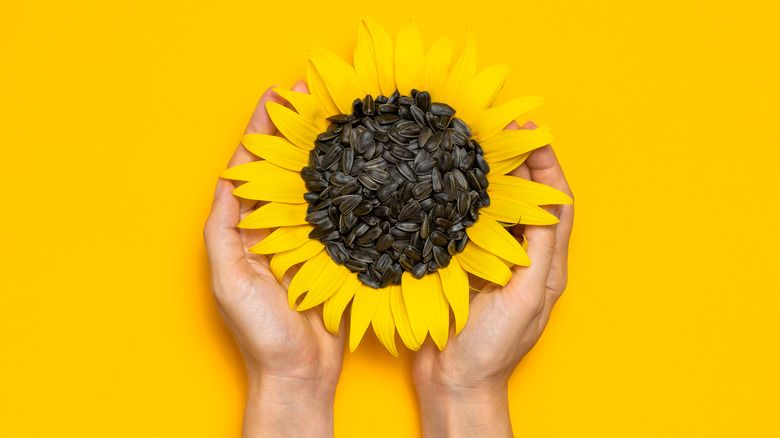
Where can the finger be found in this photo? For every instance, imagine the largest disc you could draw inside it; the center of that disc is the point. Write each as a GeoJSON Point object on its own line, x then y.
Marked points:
{"type": "Point", "coordinates": [259, 123]}
{"type": "Point", "coordinates": [223, 242]}
{"type": "Point", "coordinates": [300, 87]}
{"type": "Point", "coordinates": [522, 171]}
{"type": "Point", "coordinates": [545, 169]}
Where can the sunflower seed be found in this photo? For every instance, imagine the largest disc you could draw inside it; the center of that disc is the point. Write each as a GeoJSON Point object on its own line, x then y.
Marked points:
{"type": "Point", "coordinates": [368, 182]}
{"type": "Point", "coordinates": [356, 266]}
{"type": "Point", "coordinates": [405, 262]}
{"type": "Point", "coordinates": [441, 256]}
{"type": "Point", "coordinates": [446, 140]}
{"type": "Point", "coordinates": [368, 106]}
{"type": "Point", "coordinates": [322, 229]}
{"type": "Point", "coordinates": [413, 253]}
{"type": "Point", "coordinates": [459, 125]}
{"type": "Point", "coordinates": [327, 136]}
{"type": "Point", "coordinates": [339, 118]}
{"type": "Point", "coordinates": [347, 158]}
{"type": "Point", "coordinates": [338, 179]}
{"type": "Point", "coordinates": [317, 217]}
{"type": "Point", "coordinates": [423, 100]}
{"type": "Point", "coordinates": [438, 238]}
{"type": "Point", "coordinates": [418, 115]}
{"type": "Point", "coordinates": [370, 235]}
{"type": "Point", "coordinates": [405, 170]}
{"type": "Point", "coordinates": [387, 109]}
{"type": "Point", "coordinates": [422, 189]}
{"type": "Point", "coordinates": [384, 242]}
{"type": "Point", "coordinates": [419, 270]}
{"type": "Point", "coordinates": [316, 186]}
{"type": "Point", "coordinates": [337, 252]}
{"type": "Point", "coordinates": [309, 174]}
{"type": "Point", "coordinates": [409, 227]}
{"type": "Point", "coordinates": [433, 142]}
{"type": "Point", "coordinates": [368, 280]}
{"type": "Point", "coordinates": [409, 210]}
{"type": "Point", "coordinates": [406, 100]}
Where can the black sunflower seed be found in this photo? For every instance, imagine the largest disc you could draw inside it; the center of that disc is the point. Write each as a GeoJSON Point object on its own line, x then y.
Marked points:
{"type": "Point", "coordinates": [441, 256]}
{"type": "Point", "coordinates": [356, 266]}
{"type": "Point", "coordinates": [442, 109]}
{"type": "Point", "coordinates": [423, 100]}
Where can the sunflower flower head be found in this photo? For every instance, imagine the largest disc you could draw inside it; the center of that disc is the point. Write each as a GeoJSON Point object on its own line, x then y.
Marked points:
{"type": "Point", "coordinates": [390, 185]}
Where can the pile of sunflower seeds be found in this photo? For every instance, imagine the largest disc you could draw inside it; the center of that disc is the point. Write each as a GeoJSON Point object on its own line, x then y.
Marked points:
{"type": "Point", "coordinates": [393, 186]}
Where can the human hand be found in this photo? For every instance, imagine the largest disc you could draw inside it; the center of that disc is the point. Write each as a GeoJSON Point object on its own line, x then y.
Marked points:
{"type": "Point", "coordinates": [293, 363]}
{"type": "Point", "coordinates": [463, 389]}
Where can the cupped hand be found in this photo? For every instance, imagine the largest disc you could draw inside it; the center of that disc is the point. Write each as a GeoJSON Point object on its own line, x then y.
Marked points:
{"type": "Point", "coordinates": [292, 361]}
{"type": "Point", "coordinates": [504, 324]}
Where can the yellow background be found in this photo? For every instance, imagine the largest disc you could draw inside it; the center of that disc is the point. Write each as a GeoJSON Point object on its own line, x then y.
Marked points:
{"type": "Point", "coordinates": [117, 117]}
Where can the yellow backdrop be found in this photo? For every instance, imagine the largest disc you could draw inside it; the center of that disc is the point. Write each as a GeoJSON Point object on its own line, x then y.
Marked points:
{"type": "Point", "coordinates": [117, 117]}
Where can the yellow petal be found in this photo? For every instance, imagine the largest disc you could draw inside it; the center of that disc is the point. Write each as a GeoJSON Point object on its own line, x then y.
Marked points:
{"type": "Point", "coordinates": [505, 166]}
{"type": "Point", "coordinates": [409, 59]}
{"type": "Point", "coordinates": [461, 73]}
{"type": "Point", "coordinates": [437, 65]}
{"type": "Point", "coordinates": [284, 260]}
{"type": "Point", "coordinates": [277, 150]}
{"type": "Point", "coordinates": [483, 264]}
{"type": "Point", "coordinates": [455, 283]}
{"type": "Point", "coordinates": [530, 191]}
{"type": "Point", "coordinates": [481, 91]}
{"type": "Point", "coordinates": [525, 243]}
{"type": "Point", "coordinates": [283, 239]}
{"type": "Point", "coordinates": [292, 125]}
{"type": "Point", "coordinates": [513, 142]}
{"type": "Point", "coordinates": [440, 313]}
{"type": "Point", "coordinates": [383, 52]}
{"type": "Point", "coordinates": [339, 78]}
{"type": "Point", "coordinates": [365, 62]}
{"type": "Point", "coordinates": [493, 120]}
{"type": "Point", "coordinates": [508, 207]}
{"type": "Point", "coordinates": [363, 309]}
{"type": "Point", "coordinates": [331, 279]}
{"type": "Point", "coordinates": [318, 89]}
{"type": "Point", "coordinates": [335, 305]}
{"type": "Point", "coordinates": [276, 214]}
{"type": "Point", "coordinates": [418, 302]}
{"type": "Point", "coordinates": [382, 322]}
{"type": "Point", "coordinates": [307, 106]}
{"type": "Point", "coordinates": [283, 186]}
{"type": "Point", "coordinates": [254, 170]}
{"type": "Point", "coordinates": [401, 318]}
{"type": "Point", "coordinates": [307, 276]}
{"type": "Point", "coordinates": [487, 233]}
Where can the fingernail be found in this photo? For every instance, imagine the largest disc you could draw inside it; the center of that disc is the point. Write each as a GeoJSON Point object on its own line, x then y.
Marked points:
{"type": "Point", "coordinates": [218, 189]}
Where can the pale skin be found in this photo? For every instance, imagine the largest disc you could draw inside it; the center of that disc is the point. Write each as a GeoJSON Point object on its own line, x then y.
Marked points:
{"type": "Point", "coordinates": [293, 363]}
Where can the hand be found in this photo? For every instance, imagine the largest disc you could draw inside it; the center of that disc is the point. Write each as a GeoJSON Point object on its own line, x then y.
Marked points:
{"type": "Point", "coordinates": [463, 389]}
{"type": "Point", "coordinates": [293, 363]}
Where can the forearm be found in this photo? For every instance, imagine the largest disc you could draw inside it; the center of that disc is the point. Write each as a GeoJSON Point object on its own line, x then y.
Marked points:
{"type": "Point", "coordinates": [464, 412]}
{"type": "Point", "coordinates": [288, 408]}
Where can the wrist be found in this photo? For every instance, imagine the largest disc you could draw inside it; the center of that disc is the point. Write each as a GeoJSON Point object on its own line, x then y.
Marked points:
{"type": "Point", "coordinates": [455, 411]}
{"type": "Point", "coordinates": [277, 406]}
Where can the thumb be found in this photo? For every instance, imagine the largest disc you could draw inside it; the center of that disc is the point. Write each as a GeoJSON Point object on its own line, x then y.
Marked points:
{"type": "Point", "coordinates": [223, 242]}
{"type": "Point", "coordinates": [541, 245]}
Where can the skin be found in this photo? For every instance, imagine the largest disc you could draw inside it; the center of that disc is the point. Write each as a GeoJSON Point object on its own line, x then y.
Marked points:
{"type": "Point", "coordinates": [293, 363]}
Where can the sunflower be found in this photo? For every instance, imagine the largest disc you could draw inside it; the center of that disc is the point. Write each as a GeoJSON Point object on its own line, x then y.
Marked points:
{"type": "Point", "coordinates": [386, 193]}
